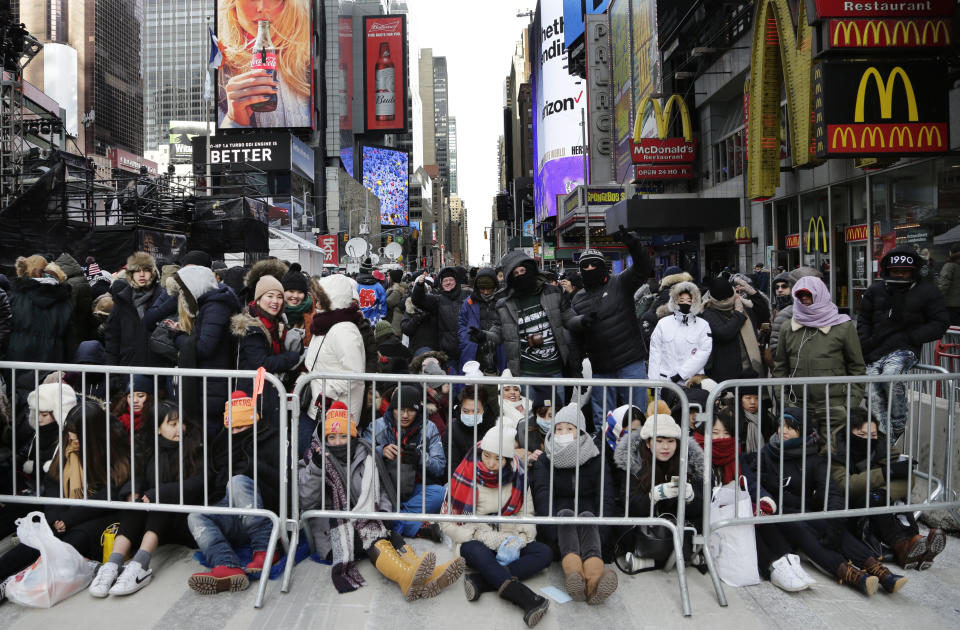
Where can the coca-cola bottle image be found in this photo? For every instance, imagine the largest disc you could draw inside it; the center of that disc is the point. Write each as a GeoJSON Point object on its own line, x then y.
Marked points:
{"type": "Point", "coordinates": [264, 58]}
{"type": "Point", "coordinates": [383, 80]}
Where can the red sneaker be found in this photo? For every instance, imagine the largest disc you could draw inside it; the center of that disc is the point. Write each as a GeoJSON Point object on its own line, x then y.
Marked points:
{"type": "Point", "coordinates": [255, 567]}
{"type": "Point", "coordinates": [219, 580]}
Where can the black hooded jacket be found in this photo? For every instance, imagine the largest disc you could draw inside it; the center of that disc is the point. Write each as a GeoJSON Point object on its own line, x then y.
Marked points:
{"type": "Point", "coordinates": [42, 322]}
{"type": "Point", "coordinates": [445, 306]}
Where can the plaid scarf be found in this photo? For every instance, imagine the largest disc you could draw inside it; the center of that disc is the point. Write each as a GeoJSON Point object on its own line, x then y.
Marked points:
{"type": "Point", "coordinates": [460, 496]}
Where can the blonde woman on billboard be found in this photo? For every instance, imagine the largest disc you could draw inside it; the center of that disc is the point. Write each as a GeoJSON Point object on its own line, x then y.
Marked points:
{"type": "Point", "coordinates": [242, 89]}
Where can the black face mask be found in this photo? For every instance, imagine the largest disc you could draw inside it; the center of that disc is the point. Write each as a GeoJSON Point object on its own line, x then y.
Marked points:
{"type": "Point", "coordinates": [49, 433]}
{"type": "Point", "coordinates": [783, 301]}
{"type": "Point", "coordinates": [593, 277]}
{"type": "Point", "coordinates": [525, 283]}
{"type": "Point", "coordinates": [684, 308]}
{"type": "Point", "coordinates": [858, 447]}
{"type": "Point", "coordinates": [340, 452]}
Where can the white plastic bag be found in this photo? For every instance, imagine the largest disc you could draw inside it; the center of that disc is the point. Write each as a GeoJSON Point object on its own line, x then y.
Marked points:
{"type": "Point", "coordinates": [58, 573]}
{"type": "Point", "coordinates": [734, 547]}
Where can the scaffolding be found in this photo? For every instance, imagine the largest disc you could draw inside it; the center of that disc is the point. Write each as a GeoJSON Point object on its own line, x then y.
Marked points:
{"type": "Point", "coordinates": [17, 48]}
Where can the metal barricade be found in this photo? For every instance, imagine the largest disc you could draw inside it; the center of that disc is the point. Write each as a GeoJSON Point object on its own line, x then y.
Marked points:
{"type": "Point", "coordinates": [379, 383]}
{"type": "Point", "coordinates": [88, 381]}
{"type": "Point", "coordinates": [929, 428]}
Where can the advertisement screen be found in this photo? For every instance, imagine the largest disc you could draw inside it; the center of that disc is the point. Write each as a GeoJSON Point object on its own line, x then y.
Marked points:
{"type": "Point", "coordinates": [385, 173]}
{"type": "Point", "coordinates": [560, 98]}
{"type": "Point", "coordinates": [345, 88]}
{"type": "Point", "coordinates": [266, 80]}
{"type": "Point", "coordinates": [384, 72]}
{"type": "Point", "coordinates": [182, 133]}
{"type": "Point", "coordinates": [646, 59]}
{"type": "Point", "coordinates": [622, 86]}
{"type": "Point", "coordinates": [573, 12]}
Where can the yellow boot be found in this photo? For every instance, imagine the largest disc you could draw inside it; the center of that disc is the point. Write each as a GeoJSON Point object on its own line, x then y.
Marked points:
{"type": "Point", "coordinates": [443, 575]}
{"type": "Point", "coordinates": [409, 577]}
{"type": "Point", "coordinates": [574, 581]}
{"type": "Point", "coordinates": [600, 583]}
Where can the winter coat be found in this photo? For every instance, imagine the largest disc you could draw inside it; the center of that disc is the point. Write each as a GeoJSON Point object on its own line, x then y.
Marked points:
{"type": "Point", "coordinates": [419, 326]}
{"type": "Point", "coordinates": [819, 485]}
{"type": "Point", "coordinates": [827, 351]}
{"type": "Point", "coordinates": [6, 323]}
{"type": "Point", "coordinates": [445, 307]}
{"type": "Point", "coordinates": [949, 282]}
{"type": "Point", "coordinates": [42, 321]}
{"type": "Point", "coordinates": [126, 335]}
{"type": "Point", "coordinates": [783, 316]}
{"type": "Point", "coordinates": [373, 298]}
{"type": "Point", "coordinates": [477, 313]}
{"type": "Point", "coordinates": [384, 433]}
{"type": "Point", "coordinates": [657, 309]}
{"type": "Point", "coordinates": [859, 472]}
{"type": "Point", "coordinates": [628, 449]}
{"type": "Point", "coordinates": [506, 328]}
{"type": "Point", "coordinates": [340, 350]}
{"type": "Point", "coordinates": [614, 340]}
{"type": "Point", "coordinates": [680, 344]}
{"type": "Point", "coordinates": [461, 437]}
{"type": "Point", "coordinates": [165, 467]}
{"type": "Point", "coordinates": [79, 296]}
{"type": "Point", "coordinates": [487, 502]}
{"type": "Point", "coordinates": [726, 356]}
{"type": "Point", "coordinates": [588, 497]}
{"type": "Point", "coordinates": [924, 318]}
{"type": "Point", "coordinates": [396, 296]}
{"type": "Point", "coordinates": [255, 350]}
{"type": "Point", "coordinates": [267, 462]}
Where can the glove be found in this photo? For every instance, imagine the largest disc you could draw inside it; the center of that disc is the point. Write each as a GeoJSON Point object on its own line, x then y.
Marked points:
{"type": "Point", "coordinates": [688, 496]}
{"type": "Point", "coordinates": [898, 469]}
{"type": "Point", "coordinates": [588, 320]}
{"type": "Point", "coordinates": [766, 507]}
{"type": "Point", "coordinates": [318, 458]}
{"type": "Point", "coordinates": [293, 342]}
{"type": "Point", "coordinates": [665, 491]}
{"type": "Point", "coordinates": [476, 335]}
{"type": "Point", "coordinates": [628, 238]}
{"type": "Point", "coordinates": [676, 378]}
{"type": "Point", "coordinates": [509, 551]}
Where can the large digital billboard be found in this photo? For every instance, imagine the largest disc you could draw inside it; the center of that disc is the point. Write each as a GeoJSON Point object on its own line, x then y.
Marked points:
{"type": "Point", "coordinates": [384, 73]}
{"type": "Point", "coordinates": [560, 100]}
{"type": "Point", "coordinates": [266, 80]}
{"type": "Point", "coordinates": [181, 135]}
{"type": "Point", "coordinates": [646, 59]}
{"type": "Point", "coordinates": [620, 49]}
{"type": "Point", "coordinates": [386, 173]}
{"type": "Point", "coordinates": [345, 89]}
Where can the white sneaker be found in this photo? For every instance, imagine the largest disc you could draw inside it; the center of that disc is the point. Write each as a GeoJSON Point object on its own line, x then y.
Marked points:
{"type": "Point", "coordinates": [636, 563]}
{"type": "Point", "coordinates": [104, 579]}
{"type": "Point", "coordinates": [798, 569]}
{"type": "Point", "coordinates": [133, 578]}
{"type": "Point", "coordinates": [784, 577]}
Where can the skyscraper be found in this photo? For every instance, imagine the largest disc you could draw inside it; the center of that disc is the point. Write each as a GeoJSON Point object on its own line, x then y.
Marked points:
{"type": "Point", "coordinates": [452, 144]}
{"type": "Point", "coordinates": [440, 120]}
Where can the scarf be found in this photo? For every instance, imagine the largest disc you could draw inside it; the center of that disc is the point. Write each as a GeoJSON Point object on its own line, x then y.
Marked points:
{"type": "Point", "coordinates": [295, 313]}
{"type": "Point", "coordinates": [722, 305]}
{"type": "Point", "coordinates": [750, 355]}
{"type": "Point", "coordinates": [325, 320]}
{"type": "Point", "coordinates": [72, 472]}
{"type": "Point", "coordinates": [753, 441]}
{"type": "Point", "coordinates": [141, 299]}
{"type": "Point", "coordinates": [724, 456]}
{"type": "Point", "coordinates": [460, 495]}
{"type": "Point", "coordinates": [345, 576]}
{"type": "Point", "coordinates": [822, 312]}
{"type": "Point", "coordinates": [137, 421]}
{"type": "Point", "coordinates": [574, 454]}
{"type": "Point", "coordinates": [275, 330]}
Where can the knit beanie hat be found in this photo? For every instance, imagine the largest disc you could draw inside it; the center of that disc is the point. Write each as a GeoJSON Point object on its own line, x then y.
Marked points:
{"type": "Point", "coordinates": [658, 406]}
{"type": "Point", "coordinates": [241, 407]}
{"type": "Point", "coordinates": [294, 279]}
{"type": "Point", "coordinates": [93, 269]}
{"type": "Point", "coordinates": [197, 257]}
{"type": "Point", "coordinates": [383, 330]}
{"type": "Point", "coordinates": [338, 421]}
{"type": "Point", "coordinates": [665, 425]}
{"type": "Point", "coordinates": [396, 275]}
{"type": "Point", "coordinates": [407, 396]}
{"type": "Point", "coordinates": [264, 284]}
{"type": "Point", "coordinates": [720, 289]}
{"type": "Point", "coordinates": [492, 442]}
{"type": "Point", "coordinates": [56, 398]}
{"type": "Point", "coordinates": [571, 414]}
{"type": "Point", "coordinates": [141, 383]}
{"type": "Point", "coordinates": [366, 266]}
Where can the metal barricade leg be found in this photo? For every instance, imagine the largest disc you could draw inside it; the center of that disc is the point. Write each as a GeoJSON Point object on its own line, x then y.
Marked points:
{"type": "Point", "coordinates": [268, 563]}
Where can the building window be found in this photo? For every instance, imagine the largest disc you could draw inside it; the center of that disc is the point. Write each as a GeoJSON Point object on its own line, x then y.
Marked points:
{"type": "Point", "coordinates": [728, 157]}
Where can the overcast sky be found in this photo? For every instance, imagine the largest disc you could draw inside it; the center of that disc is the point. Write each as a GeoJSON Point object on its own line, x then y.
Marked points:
{"type": "Point", "coordinates": [478, 40]}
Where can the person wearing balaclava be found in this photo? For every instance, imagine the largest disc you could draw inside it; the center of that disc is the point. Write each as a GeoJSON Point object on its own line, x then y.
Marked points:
{"type": "Point", "coordinates": [479, 311]}
{"type": "Point", "coordinates": [899, 313]}
{"type": "Point", "coordinates": [444, 305]}
{"type": "Point", "coordinates": [607, 324]}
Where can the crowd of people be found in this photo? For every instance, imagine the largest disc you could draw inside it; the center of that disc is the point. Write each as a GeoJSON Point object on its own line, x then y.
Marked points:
{"type": "Point", "coordinates": [368, 446]}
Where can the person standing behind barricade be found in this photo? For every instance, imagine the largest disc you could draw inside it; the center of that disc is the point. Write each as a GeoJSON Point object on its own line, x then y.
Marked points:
{"type": "Point", "coordinates": [735, 346]}
{"type": "Point", "coordinates": [571, 469]}
{"type": "Point", "coordinates": [42, 315]}
{"type": "Point", "coordinates": [80, 295]}
{"type": "Point", "coordinates": [898, 314]}
{"type": "Point", "coordinates": [949, 284]}
{"type": "Point", "coordinates": [204, 341]}
{"type": "Point", "coordinates": [336, 458]}
{"type": "Point", "coordinates": [139, 304]}
{"type": "Point", "coordinates": [658, 309]}
{"type": "Point", "coordinates": [783, 285]}
{"type": "Point", "coordinates": [607, 324]}
{"type": "Point", "coordinates": [898, 531]}
{"type": "Point", "coordinates": [418, 446]}
{"type": "Point", "coordinates": [502, 555]}
{"type": "Point", "coordinates": [298, 303]}
{"type": "Point", "coordinates": [479, 311]}
{"type": "Point", "coordinates": [419, 325]}
{"type": "Point", "coordinates": [681, 343]}
{"type": "Point", "coordinates": [445, 306]}
{"type": "Point", "coordinates": [818, 341]}
{"type": "Point", "coordinates": [396, 295]}
{"type": "Point", "coordinates": [371, 294]}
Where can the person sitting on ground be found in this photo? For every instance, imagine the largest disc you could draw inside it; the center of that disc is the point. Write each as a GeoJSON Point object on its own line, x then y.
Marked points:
{"type": "Point", "coordinates": [472, 418]}
{"type": "Point", "coordinates": [505, 554]}
{"type": "Point", "coordinates": [570, 469]}
{"type": "Point", "coordinates": [532, 431]}
{"type": "Point", "coordinates": [513, 404]}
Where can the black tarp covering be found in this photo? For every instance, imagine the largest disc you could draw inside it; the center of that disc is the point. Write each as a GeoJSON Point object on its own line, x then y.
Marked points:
{"type": "Point", "coordinates": [230, 225]}
{"type": "Point", "coordinates": [25, 225]}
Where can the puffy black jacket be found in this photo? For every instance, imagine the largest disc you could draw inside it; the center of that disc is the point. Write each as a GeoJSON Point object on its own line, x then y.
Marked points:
{"type": "Point", "coordinates": [883, 326]}
{"type": "Point", "coordinates": [6, 323]}
{"type": "Point", "coordinates": [819, 483]}
{"type": "Point", "coordinates": [725, 359]}
{"type": "Point", "coordinates": [419, 327]}
{"type": "Point", "coordinates": [42, 322]}
{"type": "Point", "coordinates": [125, 335]}
{"type": "Point", "coordinates": [445, 307]}
{"type": "Point", "coordinates": [614, 340]}
{"type": "Point", "coordinates": [267, 462]}
{"type": "Point", "coordinates": [255, 350]}
{"type": "Point", "coordinates": [79, 296]}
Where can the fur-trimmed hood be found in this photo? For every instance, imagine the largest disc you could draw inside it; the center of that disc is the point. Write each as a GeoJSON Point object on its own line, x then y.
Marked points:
{"type": "Point", "coordinates": [685, 287]}
{"type": "Point", "coordinates": [695, 466]}
{"type": "Point", "coordinates": [242, 322]}
{"type": "Point", "coordinates": [417, 363]}
{"type": "Point", "coordinates": [675, 278]}
{"type": "Point", "coordinates": [272, 267]}
{"type": "Point", "coordinates": [140, 260]}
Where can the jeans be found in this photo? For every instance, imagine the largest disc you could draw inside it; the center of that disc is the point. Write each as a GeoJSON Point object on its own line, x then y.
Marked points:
{"type": "Point", "coordinates": [216, 533]}
{"type": "Point", "coordinates": [635, 370]}
{"type": "Point", "coordinates": [897, 362]}
{"type": "Point", "coordinates": [583, 540]}
{"type": "Point", "coordinates": [434, 500]}
{"type": "Point", "coordinates": [534, 557]}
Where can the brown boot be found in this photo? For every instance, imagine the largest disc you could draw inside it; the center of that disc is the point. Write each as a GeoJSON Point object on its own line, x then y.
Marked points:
{"type": "Point", "coordinates": [936, 542]}
{"type": "Point", "coordinates": [857, 579]}
{"type": "Point", "coordinates": [909, 552]}
{"type": "Point", "coordinates": [575, 583]}
{"type": "Point", "coordinates": [600, 583]}
{"type": "Point", "coordinates": [891, 582]}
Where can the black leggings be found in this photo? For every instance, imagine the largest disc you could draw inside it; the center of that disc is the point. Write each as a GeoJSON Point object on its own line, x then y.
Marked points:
{"type": "Point", "coordinates": [170, 527]}
{"type": "Point", "coordinates": [84, 537]}
{"type": "Point", "coordinates": [828, 545]}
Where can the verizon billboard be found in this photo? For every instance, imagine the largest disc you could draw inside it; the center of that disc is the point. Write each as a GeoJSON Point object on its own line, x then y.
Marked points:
{"type": "Point", "coordinates": [385, 73]}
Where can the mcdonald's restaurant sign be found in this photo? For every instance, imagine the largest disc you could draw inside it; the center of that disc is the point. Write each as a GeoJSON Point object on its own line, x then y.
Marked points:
{"type": "Point", "coordinates": [792, 241]}
{"type": "Point", "coordinates": [663, 150]}
{"type": "Point", "coordinates": [875, 8]}
{"type": "Point", "coordinates": [858, 233]}
{"type": "Point", "coordinates": [884, 35]}
{"type": "Point", "coordinates": [889, 108]}
{"type": "Point", "coordinates": [742, 235]}
{"type": "Point", "coordinates": [818, 237]}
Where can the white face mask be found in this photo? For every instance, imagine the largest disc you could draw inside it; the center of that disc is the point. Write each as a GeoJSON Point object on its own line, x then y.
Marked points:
{"type": "Point", "coordinates": [563, 440]}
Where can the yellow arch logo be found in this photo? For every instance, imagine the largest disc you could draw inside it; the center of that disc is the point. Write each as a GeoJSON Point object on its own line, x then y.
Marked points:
{"type": "Point", "coordinates": [885, 90]}
{"type": "Point", "coordinates": [817, 226]}
{"type": "Point", "coordinates": [662, 117]}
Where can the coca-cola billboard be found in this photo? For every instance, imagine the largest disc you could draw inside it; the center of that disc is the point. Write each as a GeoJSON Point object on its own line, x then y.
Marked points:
{"type": "Point", "coordinates": [385, 73]}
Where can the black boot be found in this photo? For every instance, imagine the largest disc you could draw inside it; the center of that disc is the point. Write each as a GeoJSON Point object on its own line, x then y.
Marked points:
{"type": "Point", "coordinates": [533, 605]}
{"type": "Point", "coordinates": [474, 586]}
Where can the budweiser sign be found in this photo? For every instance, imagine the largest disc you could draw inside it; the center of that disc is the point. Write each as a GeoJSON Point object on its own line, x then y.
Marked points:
{"type": "Point", "coordinates": [384, 28]}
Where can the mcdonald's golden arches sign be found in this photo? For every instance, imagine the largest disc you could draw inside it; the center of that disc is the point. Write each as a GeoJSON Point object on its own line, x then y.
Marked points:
{"type": "Point", "coordinates": [890, 108]}
{"type": "Point", "coordinates": [663, 150]}
{"type": "Point", "coordinates": [742, 235]}
{"type": "Point", "coordinates": [818, 237]}
{"type": "Point", "coordinates": [885, 35]}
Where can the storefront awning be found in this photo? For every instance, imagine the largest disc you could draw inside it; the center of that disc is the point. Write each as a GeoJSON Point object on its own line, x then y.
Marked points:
{"type": "Point", "coordinates": [673, 215]}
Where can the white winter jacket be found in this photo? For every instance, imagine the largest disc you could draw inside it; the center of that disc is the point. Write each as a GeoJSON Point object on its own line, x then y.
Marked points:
{"type": "Point", "coordinates": [492, 535]}
{"type": "Point", "coordinates": [680, 344]}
